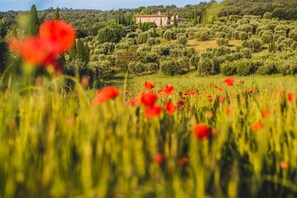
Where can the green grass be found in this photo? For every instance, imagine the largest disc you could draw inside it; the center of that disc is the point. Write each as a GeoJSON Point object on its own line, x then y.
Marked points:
{"type": "Point", "coordinates": [56, 143]}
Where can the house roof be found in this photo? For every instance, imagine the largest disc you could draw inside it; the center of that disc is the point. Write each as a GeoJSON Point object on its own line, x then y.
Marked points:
{"type": "Point", "coordinates": [153, 15]}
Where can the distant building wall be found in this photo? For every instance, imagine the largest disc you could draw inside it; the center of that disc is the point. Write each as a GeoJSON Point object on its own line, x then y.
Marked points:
{"type": "Point", "coordinates": [158, 19]}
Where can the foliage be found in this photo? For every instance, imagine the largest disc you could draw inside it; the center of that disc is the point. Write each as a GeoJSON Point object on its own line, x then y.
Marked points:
{"type": "Point", "coordinates": [111, 33]}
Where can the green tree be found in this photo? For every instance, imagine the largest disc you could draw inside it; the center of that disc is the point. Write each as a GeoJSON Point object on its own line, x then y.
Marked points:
{"type": "Point", "coordinates": [57, 15]}
{"type": "Point", "coordinates": [111, 33]}
{"type": "Point", "coordinates": [203, 16]}
{"type": "Point", "coordinates": [33, 22]}
{"type": "Point", "coordinates": [175, 21]}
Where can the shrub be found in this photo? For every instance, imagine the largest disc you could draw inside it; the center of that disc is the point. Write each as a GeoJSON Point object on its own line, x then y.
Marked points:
{"type": "Point", "coordinates": [169, 35]}
{"type": "Point", "coordinates": [243, 36]}
{"type": "Point", "coordinates": [136, 67]}
{"type": "Point", "coordinates": [194, 60]}
{"type": "Point", "coordinates": [182, 40]}
{"type": "Point", "coordinates": [268, 68]}
{"type": "Point", "coordinates": [205, 66]}
{"type": "Point", "coordinates": [267, 37]}
{"type": "Point", "coordinates": [142, 37]}
{"type": "Point", "coordinates": [171, 67]}
{"type": "Point", "coordinates": [202, 36]}
{"type": "Point", "coordinates": [223, 50]}
{"type": "Point", "coordinates": [267, 15]}
{"type": "Point", "coordinates": [247, 53]}
{"type": "Point", "coordinates": [228, 69]}
{"type": "Point", "coordinates": [151, 41]}
{"type": "Point", "coordinates": [132, 35]}
{"type": "Point", "coordinates": [222, 41]}
{"type": "Point", "coordinates": [150, 58]}
{"type": "Point", "coordinates": [243, 67]}
{"type": "Point", "coordinates": [254, 44]}
{"type": "Point", "coordinates": [293, 34]}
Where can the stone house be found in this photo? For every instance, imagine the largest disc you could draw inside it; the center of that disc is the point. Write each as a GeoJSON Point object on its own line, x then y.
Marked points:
{"type": "Point", "coordinates": [158, 19]}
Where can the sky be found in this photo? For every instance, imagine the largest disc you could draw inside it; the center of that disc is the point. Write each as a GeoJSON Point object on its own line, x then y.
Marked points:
{"type": "Point", "coordinates": [6, 5]}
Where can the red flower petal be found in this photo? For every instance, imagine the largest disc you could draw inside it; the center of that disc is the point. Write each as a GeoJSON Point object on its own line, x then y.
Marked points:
{"type": "Point", "coordinates": [152, 111]}
{"type": "Point", "coordinates": [158, 158]}
{"type": "Point", "coordinates": [257, 126]}
{"type": "Point", "coordinates": [105, 94]}
{"type": "Point", "coordinates": [148, 85]}
{"type": "Point", "coordinates": [58, 32]}
{"type": "Point", "coordinates": [170, 108]}
{"type": "Point", "coordinates": [229, 81]}
{"type": "Point", "coordinates": [201, 131]}
{"type": "Point", "coordinates": [148, 99]}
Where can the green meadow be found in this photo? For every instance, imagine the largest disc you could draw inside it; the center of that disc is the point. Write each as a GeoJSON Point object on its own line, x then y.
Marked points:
{"type": "Point", "coordinates": [55, 142]}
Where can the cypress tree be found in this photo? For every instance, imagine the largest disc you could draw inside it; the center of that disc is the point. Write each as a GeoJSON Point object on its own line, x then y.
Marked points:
{"type": "Point", "coordinates": [33, 22]}
{"type": "Point", "coordinates": [203, 17]}
{"type": "Point", "coordinates": [131, 22]}
{"type": "Point", "coordinates": [57, 16]}
{"type": "Point", "coordinates": [86, 54]}
{"type": "Point", "coordinates": [79, 50]}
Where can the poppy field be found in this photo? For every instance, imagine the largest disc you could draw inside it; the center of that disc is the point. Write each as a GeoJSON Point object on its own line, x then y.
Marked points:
{"type": "Point", "coordinates": [177, 137]}
{"type": "Point", "coordinates": [149, 136]}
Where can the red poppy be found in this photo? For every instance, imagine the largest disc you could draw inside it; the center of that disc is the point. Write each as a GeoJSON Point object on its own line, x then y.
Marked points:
{"type": "Point", "coordinates": [201, 131]}
{"type": "Point", "coordinates": [221, 99]}
{"type": "Point", "coordinates": [158, 158]}
{"type": "Point", "coordinates": [168, 90]}
{"type": "Point", "coordinates": [55, 37]}
{"type": "Point", "coordinates": [60, 33]}
{"type": "Point", "coordinates": [180, 103]}
{"type": "Point", "coordinates": [152, 111]}
{"type": "Point", "coordinates": [105, 94]}
{"type": "Point", "coordinates": [257, 126]}
{"type": "Point", "coordinates": [228, 111]}
{"type": "Point", "coordinates": [183, 161]}
{"type": "Point", "coordinates": [134, 102]}
{"type": "Point", "coordinates": [148, 99]}
{"type": "Point", "coordinates": [34, 50]}
{"type": "Point", "coordinates": [265, 113]}
{"type": "Point", "coordinates": [148, 85]}
{"type": "Point", "coordinates": [284, 164]}
{"type": "Point", "coordinates": [229, 81]}
{"type": "Point", "coordinates": [170, 108]}
{"type": "Point", "coordinates": [290, 97]}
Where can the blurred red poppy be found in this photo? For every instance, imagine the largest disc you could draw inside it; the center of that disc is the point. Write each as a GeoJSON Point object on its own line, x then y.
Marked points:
{"type": "Point", "coordinates": [228, 111]}
{"type": "Point", "coordinates": [158, 158]}
{"type": "Point", "coordinates": [60, 33]}
{"type": "Point", "coordinates": [257, 126]}
{"type": "Point", "coordinates": [265, 113]}
{"type": "Point", "coordinates": [149, 99]}
{"type": "Point", "coordinates": [34, 50]}
{"type": "Point", "coordinates": [221, 99]}
{"type": "Point", "coordinates": [183, 161]}
{"type": "Point", "coordinates": [170, 108]}
{"type": "Point", "coordinates": [55, 37]}
{"type": "Point", "coordinates": [148, 85]}
{"type": "Point", "coordinates": [284, 164]}
{"type": "Point", "coordinates": [229, 81]}
{"type": "Point", "coordinates": [134, 102]}
{"type": "Point", "coordinates": [201, 131]}
{"type": "Point", "coordinates": [290, 97]}
{"type": "Point", "coordinates": [168, 90]}
{"type": "Point", "coordinates": [105, 94]}
{"type": "Point", "coordinates": [152, 111]}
